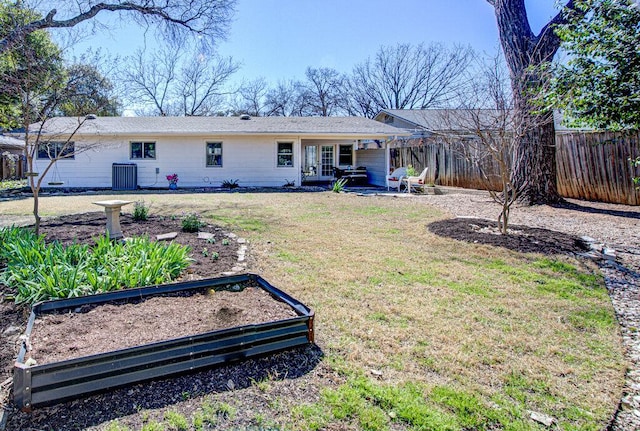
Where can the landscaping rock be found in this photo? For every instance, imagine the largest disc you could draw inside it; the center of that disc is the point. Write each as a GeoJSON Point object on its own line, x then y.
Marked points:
{"type": "Point", "coordinates": [205, 235]}
{"type": "Point", "coordinates": [545, 420]}
{"type": "Point", "coordinates": [167, 236]}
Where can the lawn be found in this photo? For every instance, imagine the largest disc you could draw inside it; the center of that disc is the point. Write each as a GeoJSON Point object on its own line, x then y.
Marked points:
{"type": "Point", "coordinates": [424, 332]}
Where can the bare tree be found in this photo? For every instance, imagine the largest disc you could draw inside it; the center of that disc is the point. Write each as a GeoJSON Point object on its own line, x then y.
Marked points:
{"type": "Point", "coordinates": [167, 82]}
{"type": "Point", "coordinates": [200, 85]}
{"type": "Point", "coordinates": [251, 98]}
{"type": "Point", "coordinates": [323, 93]}
{"type": "Point", "coordinates": [408, 77]}
{"type": "Point", "coordinates": [284, 100]}
{"type": "Point", "coordinates": [150, 81]}
{"type": "Point", "coordinates": [174, 19]}
{"type": "Point", "coordinates": [485, 131]}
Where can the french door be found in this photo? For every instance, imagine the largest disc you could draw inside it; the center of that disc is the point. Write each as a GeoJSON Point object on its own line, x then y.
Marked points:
{"type": "Point", "coordinates": [318, 162]}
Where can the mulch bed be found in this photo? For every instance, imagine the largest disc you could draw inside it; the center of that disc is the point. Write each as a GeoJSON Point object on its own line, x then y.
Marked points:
{"type": "Point", "coordinates": [522, 239]}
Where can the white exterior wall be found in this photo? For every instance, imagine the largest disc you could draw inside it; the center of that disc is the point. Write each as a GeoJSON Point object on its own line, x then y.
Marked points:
{"type": "Point", "coordinates": [374, 160]}
{"type": "Point", "coordinates": [252, 160]}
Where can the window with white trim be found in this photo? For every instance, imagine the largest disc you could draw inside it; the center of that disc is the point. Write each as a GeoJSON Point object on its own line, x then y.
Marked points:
{"type": "Point", "coordinates": [143, 150]}
{"type": "Point", "coordinates": [285, 154]}
{"type": "Point", "coordinates": [214, 154]}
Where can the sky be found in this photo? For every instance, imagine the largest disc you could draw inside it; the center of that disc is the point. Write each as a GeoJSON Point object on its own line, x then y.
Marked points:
{"type": "Point", "coordinates": [279, 39]}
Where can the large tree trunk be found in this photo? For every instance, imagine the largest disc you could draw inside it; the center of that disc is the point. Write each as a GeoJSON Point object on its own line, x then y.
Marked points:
{"type": "Point", "coordinates": [534, 172]}
{"type": "Point", "coordinates": [534, 168]}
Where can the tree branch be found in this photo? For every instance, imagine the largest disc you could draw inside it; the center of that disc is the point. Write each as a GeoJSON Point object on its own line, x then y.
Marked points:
{"type": "Point", "coordinates": [205, 17]}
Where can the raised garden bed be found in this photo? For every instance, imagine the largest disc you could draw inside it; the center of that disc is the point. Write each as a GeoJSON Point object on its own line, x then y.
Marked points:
{"type": "Point", "coordinates": [85, 368]}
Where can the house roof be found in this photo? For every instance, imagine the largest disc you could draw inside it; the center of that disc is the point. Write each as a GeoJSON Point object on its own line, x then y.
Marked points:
{"type": "Point", "coordinates": [356, 127]}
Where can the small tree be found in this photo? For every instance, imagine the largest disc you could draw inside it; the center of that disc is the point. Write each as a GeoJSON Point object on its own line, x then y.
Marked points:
{"type": "Point", "coordinates": [486, 132]}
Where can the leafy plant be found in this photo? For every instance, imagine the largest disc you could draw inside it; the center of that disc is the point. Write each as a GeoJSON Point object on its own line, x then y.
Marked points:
{"type": "Point", "coordinates": [225, 241]}
{"type": "Point", "coordinates": [289, 183]}
{"type": "Point", "coordinates": [192, 223]}
{"type": "Point", "coordinates": [339, 185]}
{"type": "Point", "coordinates": [215, 255]}
{"type": "Point", "coordinates": [230, 184]}
{"type": "Point", "coordinates": [411, 171]}
{"type": "Point", "coordinates": [140, 211]}
{"type": "Point", "coordinates": [40, 271]}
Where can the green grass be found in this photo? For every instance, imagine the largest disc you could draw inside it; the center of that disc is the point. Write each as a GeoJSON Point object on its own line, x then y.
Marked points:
{"type": "Point", "coordinates": [465, 336]}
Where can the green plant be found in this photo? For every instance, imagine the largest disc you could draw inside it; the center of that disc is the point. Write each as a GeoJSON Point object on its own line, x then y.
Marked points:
{"type": "Point", "coordinates": [205, 252]}
{"type": "Point", "coordinates": [140, 211]}
{"type": "Point", "coordinates": [152, 426]}
{"type": "Point", "coordinates": [230, 184]}
{"type": "Point", "coordinates": [40, 271]}
{"type": "Point", "coordinates": [215, 255]}
{"type": "Point", "coordinates": [225, 241]}
{"type": "Point", "coordinates": [191, 223]}
{"type": "Point", "coordinates": [176, 421]}
{"type": "Point", "coordinates": [211, 240]}
{"type": "Point", "coordinates": [339, 185]}
{"type": "Point", "coordinates": [411, 171]}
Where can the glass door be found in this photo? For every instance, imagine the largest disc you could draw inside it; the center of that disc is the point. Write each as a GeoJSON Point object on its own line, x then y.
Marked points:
{"type": "Point", "coordinates": [327, 163]}
{"type": "Point", "coordinates": [310, 163]}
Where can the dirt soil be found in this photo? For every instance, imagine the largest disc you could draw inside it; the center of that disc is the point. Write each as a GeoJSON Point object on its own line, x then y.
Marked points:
{"type": "Point", "coordinates": [81, 332]}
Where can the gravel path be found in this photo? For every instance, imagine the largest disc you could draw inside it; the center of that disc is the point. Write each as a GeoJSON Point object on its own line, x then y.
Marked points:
{"type": "Point", "coordinates": [614, 229]}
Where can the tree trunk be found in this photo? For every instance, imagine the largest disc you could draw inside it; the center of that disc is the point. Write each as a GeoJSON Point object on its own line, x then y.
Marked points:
{"type": "Point", "coordinates": [534, 167]}
{"type": "Point", "coordinates": [534, 172]}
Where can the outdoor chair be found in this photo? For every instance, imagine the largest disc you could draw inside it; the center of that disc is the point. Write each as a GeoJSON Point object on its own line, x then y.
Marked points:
{"type": "Point", "coordinates": [416, 182]}
{"type": "Point", "coordinates": [394, 179]}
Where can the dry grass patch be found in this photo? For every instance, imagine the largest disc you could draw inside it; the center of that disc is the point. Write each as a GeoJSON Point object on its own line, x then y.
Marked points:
{"type": "Point", "coordinates": [457, 327]}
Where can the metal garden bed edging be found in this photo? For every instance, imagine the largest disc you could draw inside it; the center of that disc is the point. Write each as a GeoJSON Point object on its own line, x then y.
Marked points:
{"type": "Point", "coordinates": [50, 383]}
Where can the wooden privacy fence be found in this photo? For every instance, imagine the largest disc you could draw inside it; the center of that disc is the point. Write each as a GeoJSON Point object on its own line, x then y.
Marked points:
{"type": "Point", "coordinates": [595, 166]}
{"type": "Point", "coordinates": [12, 166]}
{"type": "Point", "coordinates": [448, 165]}
{"type": "Point", "coordinates": [591, 165]}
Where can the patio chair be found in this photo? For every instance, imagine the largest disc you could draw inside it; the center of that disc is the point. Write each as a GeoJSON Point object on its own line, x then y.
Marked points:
{"type": "Point", "coordinates": [416, 182]}
{"type": "Point", "coordinates": [394, 179]}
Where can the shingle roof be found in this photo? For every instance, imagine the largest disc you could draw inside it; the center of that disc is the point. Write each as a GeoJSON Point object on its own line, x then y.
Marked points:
{"type": "Point", "coordinates": [343, 126]}
{"type": "Point", "coordinates": [441, 119]}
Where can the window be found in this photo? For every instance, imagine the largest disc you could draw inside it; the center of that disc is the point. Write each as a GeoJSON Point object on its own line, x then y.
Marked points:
{"type": "Point", "coordinates": [285, 154]}
{"type": "Point", "coordinates": [214, 154]}
{"type": "Point", "coordinates": [345, 155]}
{"type": "Point", "coordinates": [56, 150]}
{"type": "Point", "coordinates": [143, 150]}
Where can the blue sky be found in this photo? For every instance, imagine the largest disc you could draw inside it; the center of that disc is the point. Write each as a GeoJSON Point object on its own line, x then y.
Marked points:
{"type": "Point", "coordinates": [279, 39]}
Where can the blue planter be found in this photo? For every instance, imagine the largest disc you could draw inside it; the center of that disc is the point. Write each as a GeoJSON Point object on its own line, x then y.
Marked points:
{"type": "Point", "coordinates": [173, 186]}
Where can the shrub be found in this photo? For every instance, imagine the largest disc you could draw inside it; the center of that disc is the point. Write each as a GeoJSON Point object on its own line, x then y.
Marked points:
{"type": "Point", "coordinates": [191, 223]}
{"type": "Point", "coordinates": [140, 211]}
{"type": "Point", "coordinates": [230, 184]}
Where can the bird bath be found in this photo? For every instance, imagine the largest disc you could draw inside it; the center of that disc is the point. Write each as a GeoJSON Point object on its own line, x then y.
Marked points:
{"type": "Point", "coordinates": [112, 210]}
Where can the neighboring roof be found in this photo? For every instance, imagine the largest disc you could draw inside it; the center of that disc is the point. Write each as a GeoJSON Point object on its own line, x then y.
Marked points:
{"type": "Point", "coordinates": [8, 142]}
{"type": "Point", "coordinates": [439, 119]}
{"type": "Point", "coordinates": [436, 119]}
{"type": "Point", "coordinates": [357, 127]}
